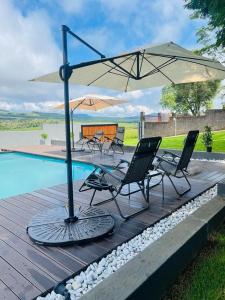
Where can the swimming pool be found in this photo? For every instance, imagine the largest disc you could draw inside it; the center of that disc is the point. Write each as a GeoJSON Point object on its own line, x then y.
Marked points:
{"type": "Point", "coordinates": [23, 173]}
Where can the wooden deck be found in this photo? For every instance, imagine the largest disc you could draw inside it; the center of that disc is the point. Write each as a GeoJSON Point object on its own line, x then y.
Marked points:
{"type": "Point", "coordinates": [27, 269]}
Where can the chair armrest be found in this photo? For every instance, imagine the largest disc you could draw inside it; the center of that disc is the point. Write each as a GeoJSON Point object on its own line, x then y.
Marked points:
{"type": "Point", "coordinates": [94, 140]}
{"type": "Point", "coordinates": [108, 138]}
{"type": "Point", "coordinates": [123, 161]}
{"type": "Point", "coordinates": [118, 140]}
{"type": "Point", "coordinates": [106, 171]}
{"type": "Point", "coordinates": [170, 153]}
{"type": "Point", "coordinates": [162, 159]}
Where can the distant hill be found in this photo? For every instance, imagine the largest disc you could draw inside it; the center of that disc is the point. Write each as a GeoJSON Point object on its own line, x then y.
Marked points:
{"type": "Point", "coordinates": [81, 118]}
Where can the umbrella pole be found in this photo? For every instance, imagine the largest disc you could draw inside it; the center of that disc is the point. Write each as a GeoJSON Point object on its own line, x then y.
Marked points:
{"type": "Point", "coordinates": [54, 227]}
{"type": "Point", "coordinates": [67, 125]}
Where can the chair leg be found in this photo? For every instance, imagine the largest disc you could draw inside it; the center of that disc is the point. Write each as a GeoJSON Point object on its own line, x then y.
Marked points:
{"type": "Point", "coordinates": [163, 190]}
{"type": "Point", "coordinates": [126, 217]}
{"type": "Point", "coordinates": [142, 189]}
{"type": "Point", "coordinates": [178, 193]}
{"type": "Point", "coordinates": [117, 204]}
{"type": "Point", "coordinates": [149, 187]}
{"type": "Point", "coordinates": [92, 198]}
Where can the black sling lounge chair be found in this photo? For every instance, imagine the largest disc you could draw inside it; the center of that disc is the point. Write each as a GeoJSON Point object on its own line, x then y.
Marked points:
{"type": "Point", "coordinates": [115, 180]}
{"type": "Point", "coordinates": [176, 166]}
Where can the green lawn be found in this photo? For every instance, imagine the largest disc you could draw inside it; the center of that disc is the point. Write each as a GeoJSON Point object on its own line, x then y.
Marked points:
{"type": "Point", "coordinates": [174, 142]}
{"type": "Point", "coordinates": [131, 133]}
{"type": "Point", "coordinates": [205, 277]}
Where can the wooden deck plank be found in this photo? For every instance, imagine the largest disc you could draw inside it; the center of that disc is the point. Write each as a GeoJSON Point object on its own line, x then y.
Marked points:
{"type": "Point", "coordinates": [6, 293]}
{"type": "Point", "coordinates": [35, 275]}
{"type": "Point", "coordinates": [52, 253]}
{"type": "Point", "coordinates": [16, 282]}
{"type": "Point", "coordinates": [37, 258]}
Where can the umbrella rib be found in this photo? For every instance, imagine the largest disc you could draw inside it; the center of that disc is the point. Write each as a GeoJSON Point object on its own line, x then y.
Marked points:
{"type": "Point", "coordinates": [112, 68]}
{"type": "Point", "coordinates": [201, 64]}
{"type": "Point", "coordinates": [165, 64]}
{"type": "Point", "coordinates": [159, 70]}
{"type": "Point", "coordinates": [119, 66]}
{"type": "Point", "coordinates": [179, 56]}
{"type": "Point", "coordinates": [78, 105]}
{"type": "Point", "coordinates": [142, 58]}
{"type": "Point", "coordinates": [114, 73]}
{"type": "Point", "coordinates": [130, 73]}
{"type": "Point", "coordinates": [120, 71]}
{"type": "Point", "coordinates": [189, 59]}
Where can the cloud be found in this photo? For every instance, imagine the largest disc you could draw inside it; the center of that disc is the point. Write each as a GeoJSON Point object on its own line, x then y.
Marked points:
{"type": "Point", "coordinates": [27, 46]}
{"type": "Point", "coordinates": [30, 44]}
{"type": "Point", "coordinates": [72, 6]}
{"type": "Point", "coordinates": [47, 106]}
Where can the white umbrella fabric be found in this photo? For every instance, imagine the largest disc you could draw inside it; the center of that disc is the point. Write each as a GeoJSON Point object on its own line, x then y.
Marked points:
{"type": "Point", "coordinates": [147, 67]}
{"type": "Point", "coordinates": [90, 102]}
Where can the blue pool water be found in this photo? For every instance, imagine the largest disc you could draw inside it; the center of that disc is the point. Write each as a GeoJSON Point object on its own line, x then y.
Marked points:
{"type": "Point", "coordinates": [23, 173]}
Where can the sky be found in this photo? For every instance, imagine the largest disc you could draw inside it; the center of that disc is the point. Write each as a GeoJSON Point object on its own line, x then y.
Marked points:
{"type": "Point", "coordinates": [30, 45]}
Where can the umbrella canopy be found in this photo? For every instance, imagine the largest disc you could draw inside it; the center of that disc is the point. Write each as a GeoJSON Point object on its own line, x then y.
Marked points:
{"type": "Point", "coordinates": [92, 102]}
{"type": "Point", "coordinates": [144, 68]}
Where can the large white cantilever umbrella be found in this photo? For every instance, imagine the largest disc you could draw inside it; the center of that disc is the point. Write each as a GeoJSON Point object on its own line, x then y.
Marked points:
{"type": "Point", "coordinates": [143, 68]}
{"type": "Point", "coordinates": [92, 103]}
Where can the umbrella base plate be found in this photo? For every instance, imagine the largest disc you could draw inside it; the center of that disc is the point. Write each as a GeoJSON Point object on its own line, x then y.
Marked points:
{"type": "Point", "coordinates": [52, 228]}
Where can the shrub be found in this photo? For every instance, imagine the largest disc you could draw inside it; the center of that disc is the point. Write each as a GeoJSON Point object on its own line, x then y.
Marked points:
{"type": "Point", "coordinates": [44, 136]}
{"type": "Point", "coordinates": [207, 137]}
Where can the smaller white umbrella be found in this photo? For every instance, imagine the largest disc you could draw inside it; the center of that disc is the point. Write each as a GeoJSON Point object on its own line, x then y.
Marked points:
{"type": "Point", "coordinates": [90, 102]}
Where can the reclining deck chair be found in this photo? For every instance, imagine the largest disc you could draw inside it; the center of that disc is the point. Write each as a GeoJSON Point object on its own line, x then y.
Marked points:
{"type": "Point", "coordinates": [80, 144]}
{"type": "Point", "coordinates": [95, 143]}
{"type": "Point", "coordinates": [118, 141]}
{"type": "Point", "coordinates": [103, 179]}
{"type": "Point", "coordinates": [176, 166]}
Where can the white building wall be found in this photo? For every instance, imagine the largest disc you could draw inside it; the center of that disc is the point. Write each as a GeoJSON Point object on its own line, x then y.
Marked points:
{"type": "Point", "coordinates": [31, 138]}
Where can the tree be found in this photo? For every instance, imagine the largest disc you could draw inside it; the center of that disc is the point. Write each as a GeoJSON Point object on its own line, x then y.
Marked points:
{"type": "Point", "coordinates": [189, 97]}
{"type": "Point", "coordinates": [214, 12]}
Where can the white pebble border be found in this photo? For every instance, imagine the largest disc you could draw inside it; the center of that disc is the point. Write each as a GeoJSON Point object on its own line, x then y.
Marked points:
{"type": "Point", "coordinates": [97, 272]}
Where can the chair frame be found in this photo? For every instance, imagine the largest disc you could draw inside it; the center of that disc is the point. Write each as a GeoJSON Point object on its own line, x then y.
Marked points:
{"type": "Point", "coordinates": [96, 141]}
{"type": "Point", "coordinates": [180, 163]}
{"type": "Point", "coordinates": [96, 179]}
{"type": "Point", "coordinates": [116, 143]}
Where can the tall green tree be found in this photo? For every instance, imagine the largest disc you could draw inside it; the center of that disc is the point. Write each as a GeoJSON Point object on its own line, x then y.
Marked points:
{"type": "Point", "coordinates": [214, 12]}
{"type": "Point", "coordinates": [189, 97]}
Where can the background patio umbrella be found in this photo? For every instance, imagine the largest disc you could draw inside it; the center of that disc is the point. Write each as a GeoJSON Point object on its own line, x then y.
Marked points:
{"type": "Point", "coordinates": [90, 102]}
{"type": "Point", "coordinates": [143, 68]}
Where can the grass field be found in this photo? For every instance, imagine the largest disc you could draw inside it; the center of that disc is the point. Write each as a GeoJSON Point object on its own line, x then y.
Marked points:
{"type": "Point", "coordinates": [174, 142]}
{"type": "Point", "coordinates": [204, 278]}
{"type": "Point", "coordinates": [177, 142]}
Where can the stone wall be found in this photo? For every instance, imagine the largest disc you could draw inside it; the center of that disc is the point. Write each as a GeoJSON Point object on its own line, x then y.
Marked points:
{"type": "Point", "coordinates": [215, 118]}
